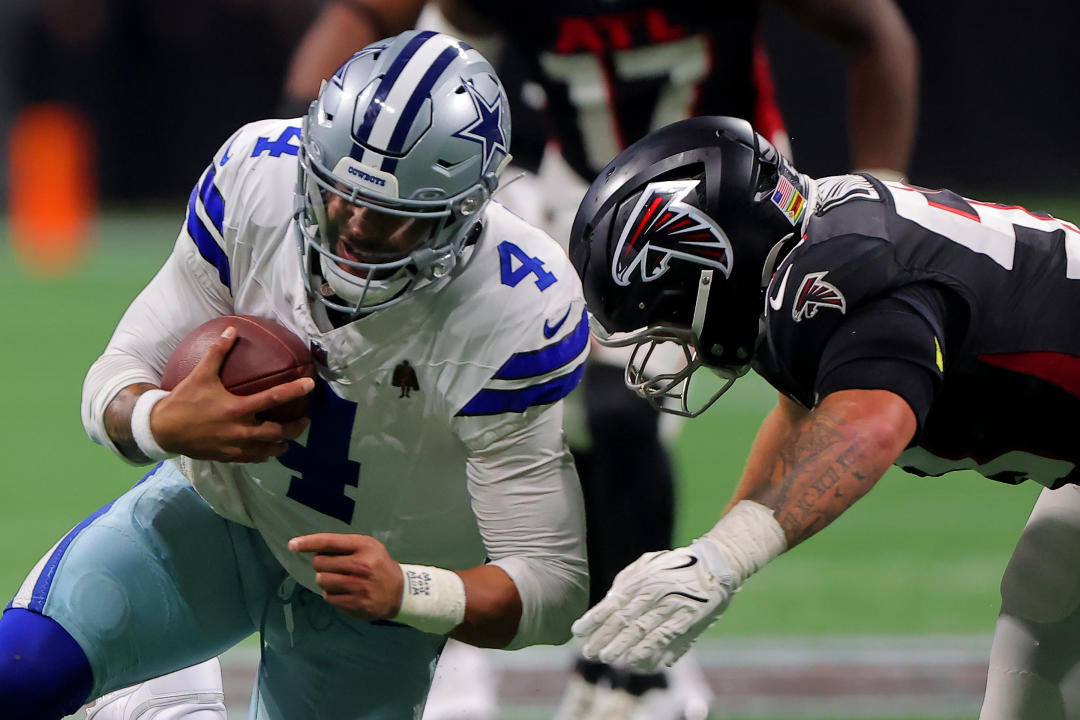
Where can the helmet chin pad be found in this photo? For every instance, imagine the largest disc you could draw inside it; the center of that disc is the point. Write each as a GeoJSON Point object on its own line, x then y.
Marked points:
{"type": "Point", "coordinates": [363, 292]}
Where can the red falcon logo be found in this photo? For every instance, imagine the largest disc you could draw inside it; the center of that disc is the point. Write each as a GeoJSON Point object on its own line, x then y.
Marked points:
{"type": "Point", "coordinates": [662, 227]}
{"type": "Point", "coordinates": [815, 293]}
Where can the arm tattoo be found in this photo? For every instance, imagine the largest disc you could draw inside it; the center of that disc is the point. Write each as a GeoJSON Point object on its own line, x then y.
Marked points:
{"type": "Point", "coordinates": [821, 473]}
{"type": "Point", "coordinates": [118, 421]}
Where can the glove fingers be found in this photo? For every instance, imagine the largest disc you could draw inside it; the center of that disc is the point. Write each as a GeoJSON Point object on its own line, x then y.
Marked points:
{"type": "Point", "coordinates": [595, 617]}
{"type": "Point", "coordinates": [622, 588]}
{"type": "Point", "coordinates": [651, 651]}
{"type": "Point", "coordinates": [618, 622]}
{"type": "Point", "coordinates": [637, 627]}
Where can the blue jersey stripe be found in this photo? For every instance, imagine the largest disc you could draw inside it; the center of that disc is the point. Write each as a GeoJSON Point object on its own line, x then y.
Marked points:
{"type": "Point", "coordinates": [387, 83]}
{"type": "Point", "coordinates": [547, 359]}
{"type": "Point", "coordinates": [493, 402]}
{"type": "Point", "coordinates": [41, 587]}
{"type": "Point", "coordinates": [205, 242]}
{"type": "Point", "coordinates": [212, 200]}
{"type": "Point", "coordinates": [45, 579]}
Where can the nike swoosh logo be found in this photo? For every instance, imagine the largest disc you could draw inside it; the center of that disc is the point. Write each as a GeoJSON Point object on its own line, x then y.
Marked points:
{"type": "Point", "coordinates": [550, 330]}
{"type": "Point", "coordinates": [776, 301]}
{"type": "Point", "coordinates": [690, 562]}
{"type": "Point", "coordinates": [695, 598]}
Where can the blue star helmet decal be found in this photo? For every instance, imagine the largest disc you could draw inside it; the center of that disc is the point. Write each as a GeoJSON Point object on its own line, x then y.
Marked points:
{"type": "Point", "coordinates": [486, 129]}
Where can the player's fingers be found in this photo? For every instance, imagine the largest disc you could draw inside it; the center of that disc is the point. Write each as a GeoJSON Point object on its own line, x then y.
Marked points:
{"type": "Point", "coordinates": [277, 395]}
{"type": "Point", "coordinates": [210, 364]}
{"type": "Point", "coordinates": [603, 634]}
{"type": "Point", "coordinates": [294, 428]}
{"type": "Point", "coordinates": [274, 433]}
{"type": "Point", "coordinates": [340, 564]}
{"type": "Point", "coordinates": [594, 618]}
{"type": "Point", "coordinates": [622, 628]}
{"type": "Point", "coordinates": [335, 583]}
{"type": "Point", "coordinates": [326, 543]}
{"type": "Point", "coordinates": [631, 634]}
{"type": "Point", "coordinates": [658, 643]}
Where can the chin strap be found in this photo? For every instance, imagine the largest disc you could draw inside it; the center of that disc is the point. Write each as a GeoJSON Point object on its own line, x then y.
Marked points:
{"type": "Point", "coordinates": [772, 259]}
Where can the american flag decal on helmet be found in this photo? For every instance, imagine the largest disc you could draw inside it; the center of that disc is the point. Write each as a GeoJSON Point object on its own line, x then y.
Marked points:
{"type": "Point", "coordinates": [815, 293]}
{"type": "Point", "coordinates": [662, 227]}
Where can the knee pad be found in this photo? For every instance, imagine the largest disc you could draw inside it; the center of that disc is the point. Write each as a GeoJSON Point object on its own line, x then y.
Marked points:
{"type": "Point", "coordinates": [44, 673]}
{"type": "Point", "coordinates": [1041, 583]}
{"type": "Point", "coordinates": [194, 693]}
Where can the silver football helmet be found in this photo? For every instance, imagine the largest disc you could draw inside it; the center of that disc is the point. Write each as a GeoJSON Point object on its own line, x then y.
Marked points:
{"type": "Point", "coordinates": [399, 156]}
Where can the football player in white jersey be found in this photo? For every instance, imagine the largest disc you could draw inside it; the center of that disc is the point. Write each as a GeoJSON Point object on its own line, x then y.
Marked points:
{"type": "Point", "coordinates": [357, 540]}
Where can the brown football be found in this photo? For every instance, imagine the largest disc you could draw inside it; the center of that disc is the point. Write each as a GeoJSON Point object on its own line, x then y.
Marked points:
{"type": "Point", "coordinates": [265, 354]}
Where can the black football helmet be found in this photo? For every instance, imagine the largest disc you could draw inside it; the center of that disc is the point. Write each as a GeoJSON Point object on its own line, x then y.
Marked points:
{"type": "Point", "coordinates": [677, 239]}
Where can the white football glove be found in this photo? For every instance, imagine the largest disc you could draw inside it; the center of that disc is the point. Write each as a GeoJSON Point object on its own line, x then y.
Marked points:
{"type": "Point", "coordinates": [658, 606]}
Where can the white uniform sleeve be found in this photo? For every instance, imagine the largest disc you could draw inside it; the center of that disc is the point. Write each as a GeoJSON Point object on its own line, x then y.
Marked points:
{"type": "Point", "coordinates": [186, 292]}
{"type": "Point", "coordinates": [528, 505]}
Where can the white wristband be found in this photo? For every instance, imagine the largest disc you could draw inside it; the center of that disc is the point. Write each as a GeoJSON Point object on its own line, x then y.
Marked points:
{"type": "Point", "coordinates": [432, 600]}
{"type": "Point", "coordinates": [140, 425]}
{"type": "Point", "coordinates": [750, 537]}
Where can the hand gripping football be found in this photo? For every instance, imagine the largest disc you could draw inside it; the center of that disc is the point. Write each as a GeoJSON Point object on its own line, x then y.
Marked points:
{"type": "Point", "coordinates": [265, 354]}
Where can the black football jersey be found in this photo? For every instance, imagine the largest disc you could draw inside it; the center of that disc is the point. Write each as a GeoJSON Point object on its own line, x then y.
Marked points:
{"type": "Point", "coordinates": [964, 308]}
{"type": "Point", "coordinates": [615, 69]}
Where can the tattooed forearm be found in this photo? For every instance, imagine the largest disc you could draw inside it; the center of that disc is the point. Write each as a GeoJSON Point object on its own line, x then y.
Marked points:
{"type": "Point", "coordinates": [118, 420]}
{"type": "Point", "coordinates": [826, 467]}
{"type": "Point", "coordinates": [815, 436]}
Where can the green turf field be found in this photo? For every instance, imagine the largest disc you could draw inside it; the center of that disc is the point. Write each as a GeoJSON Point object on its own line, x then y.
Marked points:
{"type": "Point", "coordinates": [914, 556]}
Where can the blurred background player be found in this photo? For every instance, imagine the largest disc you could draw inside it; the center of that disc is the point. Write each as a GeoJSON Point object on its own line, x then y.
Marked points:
{"type": "Point", "coordinates": [611, 71]}
{"type": "Point", "coordinates": [470, 519]}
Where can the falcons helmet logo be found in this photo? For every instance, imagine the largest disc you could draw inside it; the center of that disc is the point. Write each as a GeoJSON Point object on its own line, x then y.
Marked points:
{"type": "Point", "coordinates": [815, 293]}
{"type": "Point", "coordinates": [662, 227]}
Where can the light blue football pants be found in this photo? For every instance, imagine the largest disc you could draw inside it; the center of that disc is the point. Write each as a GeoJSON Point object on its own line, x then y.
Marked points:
{"type": "Point", "coordinates": [156, 581]}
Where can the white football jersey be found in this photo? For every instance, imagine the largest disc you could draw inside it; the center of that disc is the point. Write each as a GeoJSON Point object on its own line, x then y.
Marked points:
{"type": "Point", "coordinates": [436, 422]}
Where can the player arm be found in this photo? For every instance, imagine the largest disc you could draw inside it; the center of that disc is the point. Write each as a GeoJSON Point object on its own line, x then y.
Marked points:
{"type": "Point", "coordinates": [344, 26]}
{"type": "Point", "coordinates": [173, 302]}
{"type": "Point", "coordinates": [527, 500]}
{"type": "Point", "coordinates": [530, 513]}
{"type": "Point", "coordinates": [882, 81]}
{"type": "Point", "coordinates": [121, 397]}
{"type": "Point", "coordinates": [827, 462]}
{"type": "Point", "coordinates": [877, 377]}
{"type": "Point", "coordinates": [775, 430]}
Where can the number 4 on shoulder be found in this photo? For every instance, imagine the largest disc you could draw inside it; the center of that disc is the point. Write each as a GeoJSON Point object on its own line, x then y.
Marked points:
{"type": "Point", "coordinates": [525, 266]}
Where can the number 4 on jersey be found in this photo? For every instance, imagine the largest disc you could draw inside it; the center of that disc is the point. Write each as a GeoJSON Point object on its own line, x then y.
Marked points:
{"type": "Point", "coordinates": [510, 255]}
{"type": "Point", "coordinates": [323, 468]}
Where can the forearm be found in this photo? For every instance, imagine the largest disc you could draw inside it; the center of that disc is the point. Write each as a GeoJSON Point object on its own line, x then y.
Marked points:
{"type": "Point", "coordinates": [117, 422]}
{"type": "Point", "coordinates": [883, 103]}
{"type": "Point", "coordinates": [807, 470]}
{"type": "Point", "coordinates": [883, 67]}
{"type": "Point", "coordinates": [774, 432]}
{"type": "Point", "coordinates": [492, 608]}
{"type": "Point", "coordinates": [831, 460]}
{"type": "Point", "coordinates": [342, 28]}
{"type": "Point", "coordinates": [527, 500]}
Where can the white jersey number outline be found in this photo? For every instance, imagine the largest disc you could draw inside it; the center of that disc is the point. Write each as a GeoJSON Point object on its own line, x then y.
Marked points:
{"type": "Point", "coordinates": [991, 233]}
{"type": "Point", "coordinates": [682, 63]}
